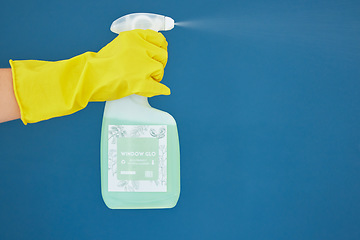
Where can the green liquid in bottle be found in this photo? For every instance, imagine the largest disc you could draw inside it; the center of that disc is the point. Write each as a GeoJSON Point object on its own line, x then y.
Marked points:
{"type": "Point", "coordinates": [128, 193]}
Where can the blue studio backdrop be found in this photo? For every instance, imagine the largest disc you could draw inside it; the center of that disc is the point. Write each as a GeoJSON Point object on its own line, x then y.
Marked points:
{"type": "Point", "coordinates": [266, 96]}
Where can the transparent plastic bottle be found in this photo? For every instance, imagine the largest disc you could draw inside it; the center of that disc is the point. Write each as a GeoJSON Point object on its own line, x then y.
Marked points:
{"type": "Point", "coordinates": [140, 157]}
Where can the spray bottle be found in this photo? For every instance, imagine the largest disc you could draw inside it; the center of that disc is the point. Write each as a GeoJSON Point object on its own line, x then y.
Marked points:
{"type": "Point", "coordinates": [140, 157]}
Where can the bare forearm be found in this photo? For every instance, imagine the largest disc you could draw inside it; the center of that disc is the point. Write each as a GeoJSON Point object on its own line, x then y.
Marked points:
{"type": "Point", "coordinates": [9, 109]}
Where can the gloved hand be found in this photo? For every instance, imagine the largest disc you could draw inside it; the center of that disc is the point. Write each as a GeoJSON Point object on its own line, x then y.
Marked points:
{"type": "Point", "coordinates": [133, 63]}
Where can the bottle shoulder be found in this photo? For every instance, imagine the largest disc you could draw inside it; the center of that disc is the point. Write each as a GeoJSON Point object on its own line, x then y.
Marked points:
{"type": "Point", "coordinates": [139, 113]}
{"type": "Point", "coordinates": [165, 116]}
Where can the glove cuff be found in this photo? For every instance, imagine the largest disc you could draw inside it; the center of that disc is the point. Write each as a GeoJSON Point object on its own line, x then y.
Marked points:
{"type": "Point", "coordinates": [45, 90]}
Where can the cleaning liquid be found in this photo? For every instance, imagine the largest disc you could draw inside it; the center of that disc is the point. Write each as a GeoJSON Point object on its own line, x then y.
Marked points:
{"type": "Point", "coordinates": [140, 157]}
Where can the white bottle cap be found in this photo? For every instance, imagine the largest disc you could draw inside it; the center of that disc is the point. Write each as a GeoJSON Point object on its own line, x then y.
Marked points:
{"type": "Point", "coordinates": [142, 21]}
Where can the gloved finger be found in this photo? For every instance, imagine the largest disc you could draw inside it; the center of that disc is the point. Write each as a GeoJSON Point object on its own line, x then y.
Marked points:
{"type": "Point", "coordinates": [155, 38]}
{"type": "Point", "coordinates": [153, 88]}
{"type": "Point", "coordinates": [158, 74]}
{"type": "Point", "coordinates": [157, 70]}
{"type": "Point", "coordinates": [159, 54]}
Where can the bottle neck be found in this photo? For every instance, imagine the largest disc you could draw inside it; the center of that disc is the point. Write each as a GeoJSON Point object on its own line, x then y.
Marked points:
{"type": "Point", "coordinates": [128, 103]}
{"type": "Point", "coordinates": [137, 99]}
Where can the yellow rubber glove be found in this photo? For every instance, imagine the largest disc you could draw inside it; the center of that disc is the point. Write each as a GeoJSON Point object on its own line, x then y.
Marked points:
{"type": "Point", "coordinates": [133, 63]}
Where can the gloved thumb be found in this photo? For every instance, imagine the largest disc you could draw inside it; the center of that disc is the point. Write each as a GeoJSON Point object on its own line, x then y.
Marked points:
{"type": "Point", "coordinates": [154, 88]}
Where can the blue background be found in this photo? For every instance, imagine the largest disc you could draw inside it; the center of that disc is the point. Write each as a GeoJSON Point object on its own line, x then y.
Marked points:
{"type": "Point", "coordinates": [267, 106]}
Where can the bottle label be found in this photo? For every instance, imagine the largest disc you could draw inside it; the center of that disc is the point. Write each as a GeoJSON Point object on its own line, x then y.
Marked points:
{"type": "Point", "coordinates": [137, 157]}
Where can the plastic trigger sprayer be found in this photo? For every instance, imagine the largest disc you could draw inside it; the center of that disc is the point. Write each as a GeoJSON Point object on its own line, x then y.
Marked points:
{"type": "Point", "coordinates": [140, 157]}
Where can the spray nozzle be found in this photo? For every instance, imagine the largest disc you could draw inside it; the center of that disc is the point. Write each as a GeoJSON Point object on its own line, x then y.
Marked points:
{"type": "Point", "coordinates": [142, 21]}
